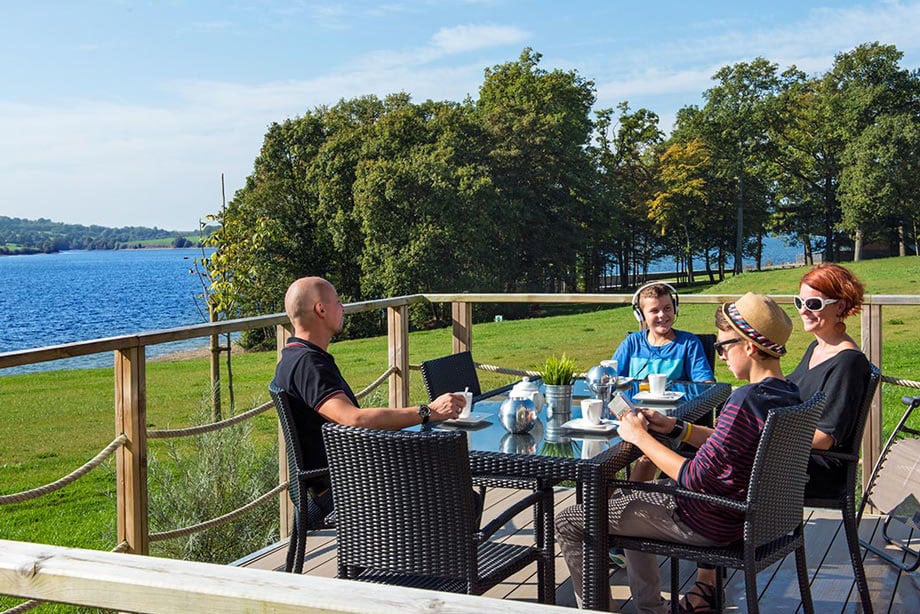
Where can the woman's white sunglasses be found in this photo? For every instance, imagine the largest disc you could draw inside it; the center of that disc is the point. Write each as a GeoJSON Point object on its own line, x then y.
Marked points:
{"type": "Point", "coordinates": [812, 303]}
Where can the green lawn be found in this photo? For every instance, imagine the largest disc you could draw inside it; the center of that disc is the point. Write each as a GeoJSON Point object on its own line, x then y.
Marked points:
{"type": "Point", "coordinates": [53, 422]}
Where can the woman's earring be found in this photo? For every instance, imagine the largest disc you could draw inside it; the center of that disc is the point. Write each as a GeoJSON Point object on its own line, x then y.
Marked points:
{"type": "Point", "coordinates": [840, 327]}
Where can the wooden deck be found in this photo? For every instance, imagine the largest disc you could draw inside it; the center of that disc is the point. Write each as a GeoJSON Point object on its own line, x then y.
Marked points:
{"type": "Point", "coordinates": [833, 589]}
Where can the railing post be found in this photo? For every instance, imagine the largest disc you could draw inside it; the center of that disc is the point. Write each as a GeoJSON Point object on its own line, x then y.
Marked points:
{"type": "Point", "coordinates": [285, 507]}
{"type": "Point", "coordinates": [871, 330]}
{"type": "Point", "coordinates": [398, 351]}
{"type": "Point", "coordinates": [131, 458]}
{"type": "Point", "coordinates": [462, 316]}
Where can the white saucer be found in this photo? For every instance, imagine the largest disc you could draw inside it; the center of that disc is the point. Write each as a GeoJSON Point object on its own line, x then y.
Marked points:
{"type": "Point", "coordinates": [580, 424]}
{"type": "Point", "coordinates": [472, 419]}
{"type": "Point", "coordinates": [669, 396]}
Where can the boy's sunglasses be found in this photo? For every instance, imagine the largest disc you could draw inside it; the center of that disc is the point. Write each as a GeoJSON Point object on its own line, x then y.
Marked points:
{"type": "Point", "coordinates": [812, 303]}
{"type": "Point", "coordinates": [720, 345]}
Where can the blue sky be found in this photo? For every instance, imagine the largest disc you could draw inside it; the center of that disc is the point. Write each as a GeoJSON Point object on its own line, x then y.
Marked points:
{"type": "Point", "coordinates": [126, 113]}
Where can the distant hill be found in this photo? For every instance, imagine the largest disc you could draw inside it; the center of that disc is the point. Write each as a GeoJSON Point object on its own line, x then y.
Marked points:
{"type": "Point", "coordinates": [21, 236]}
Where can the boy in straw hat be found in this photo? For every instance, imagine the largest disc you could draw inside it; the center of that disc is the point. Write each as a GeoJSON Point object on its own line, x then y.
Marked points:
{"type": "Point", "coordinates": [752, 335]}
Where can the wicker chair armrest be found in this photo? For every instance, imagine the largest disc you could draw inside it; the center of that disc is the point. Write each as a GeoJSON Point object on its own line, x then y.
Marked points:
{"type": "Point", "coordinates": [844, 456]}
{"type": "Point", "coordinates": [502, 519]}
{"type": "Point", "coordinates": [738, 506]}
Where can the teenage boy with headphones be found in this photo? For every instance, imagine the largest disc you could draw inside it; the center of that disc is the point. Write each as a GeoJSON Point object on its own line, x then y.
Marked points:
{"type": "Point", "coordinates": [658, 347]}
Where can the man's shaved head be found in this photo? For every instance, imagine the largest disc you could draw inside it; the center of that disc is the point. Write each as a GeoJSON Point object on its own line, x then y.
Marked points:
{"type": "Point", "coordinates": [303, 295]}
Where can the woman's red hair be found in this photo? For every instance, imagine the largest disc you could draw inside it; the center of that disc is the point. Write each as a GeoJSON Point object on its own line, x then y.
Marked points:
{"type": "Point", "coordinates": [835, 281]}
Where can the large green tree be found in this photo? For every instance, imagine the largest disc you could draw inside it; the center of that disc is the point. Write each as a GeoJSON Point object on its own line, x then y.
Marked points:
{"type": "Point", "coordinates": [538, 127]}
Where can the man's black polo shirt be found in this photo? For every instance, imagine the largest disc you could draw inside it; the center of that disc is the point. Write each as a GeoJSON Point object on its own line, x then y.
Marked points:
{"type": "Point", "coordinates": [309, 375]}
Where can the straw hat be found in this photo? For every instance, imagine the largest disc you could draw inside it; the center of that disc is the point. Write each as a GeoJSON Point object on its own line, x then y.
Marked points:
{"type": "Point", "coordinates": [760, 320]}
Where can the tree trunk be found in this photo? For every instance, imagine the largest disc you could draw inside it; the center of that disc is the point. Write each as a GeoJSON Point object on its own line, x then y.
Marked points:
{"type": "Point", "coordinates": [829, 206]}
{"type": "Point", "coordinates": [759, 251]}
{"type": "Point", "coordinates": [902, 240]}
{"type": "Point", "coordinates": [739, 231]}
{"type": "Point", "coordinates": [806, 246]}
{"type": "Point", "coordinates": [857, 245]}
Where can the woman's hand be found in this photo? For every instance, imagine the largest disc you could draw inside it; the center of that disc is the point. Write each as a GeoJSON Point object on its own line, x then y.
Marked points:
{"type": "Point", "coordinates": [658, 422]}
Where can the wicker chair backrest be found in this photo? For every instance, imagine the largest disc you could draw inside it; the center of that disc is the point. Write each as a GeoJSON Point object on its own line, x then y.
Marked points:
{"type": "Point", "coordinates": [777, 485]}
{"type": "Point", "coordinates": [451, 373]}
{"type": "Point", "coordinates": [855, 439]}
{"type": "Point", "coordinates": [403, 500]}
{"type": "Point", "coordinates": [295, 457]}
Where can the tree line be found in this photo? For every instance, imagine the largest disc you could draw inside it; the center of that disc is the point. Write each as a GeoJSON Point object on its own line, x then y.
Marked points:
{"type": "Point", "coordinates": [42, 236]}
{"type": "Point", "coordinates": [526, 189]}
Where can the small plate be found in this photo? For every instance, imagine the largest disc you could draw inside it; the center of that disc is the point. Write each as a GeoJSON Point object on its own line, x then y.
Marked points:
{"type": "Point", "coordinates": [580, 424]}
{"type": "Point", "coordinates": [473, 419]}
{"type": "Point", "coordinates": [669, 396]}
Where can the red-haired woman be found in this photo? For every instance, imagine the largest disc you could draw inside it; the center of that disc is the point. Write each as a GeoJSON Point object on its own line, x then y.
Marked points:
{"type": "Point", "coordinates": [828, 294]}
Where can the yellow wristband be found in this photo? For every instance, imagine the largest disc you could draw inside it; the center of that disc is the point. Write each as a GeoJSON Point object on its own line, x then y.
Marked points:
{"type": "Point", "coordinates": [688, 433]}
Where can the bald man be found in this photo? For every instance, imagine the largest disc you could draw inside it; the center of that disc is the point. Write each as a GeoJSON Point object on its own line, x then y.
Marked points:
{"type": "Point", "coordinates": [318, 392]}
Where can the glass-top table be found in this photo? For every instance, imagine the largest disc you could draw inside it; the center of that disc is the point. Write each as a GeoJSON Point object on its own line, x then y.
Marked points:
{"type": "Point", "coordinates": [550, 454]}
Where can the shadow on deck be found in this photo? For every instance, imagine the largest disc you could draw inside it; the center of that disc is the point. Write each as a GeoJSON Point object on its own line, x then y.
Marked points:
{"type": "Point", "coordinates": [833, 589]}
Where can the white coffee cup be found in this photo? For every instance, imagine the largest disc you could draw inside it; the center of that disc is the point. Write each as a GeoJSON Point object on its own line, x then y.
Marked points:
{"type": "Point", "coordinates": [591, 410]}
{"type": "Point", "coordinates": [465, 412]}
{"type": "Point", "coordinates": [657, 383]}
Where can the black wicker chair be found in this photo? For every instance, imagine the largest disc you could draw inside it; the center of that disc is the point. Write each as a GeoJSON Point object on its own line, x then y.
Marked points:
{"type": "Point", "coordinates": [772, 511]}
{"type": "Point", "coordinates": [405, 514]}
{"type": "Point", "coordinates": [846, 501]}
{"type": "Point", "coordinates": [308, 512]}
{"type": "Point", "coordinates": [894, 488]}
{"type": "Point", "coordinates": [453, 373]}
{"type": "Point", "coordinates": [708, 340]}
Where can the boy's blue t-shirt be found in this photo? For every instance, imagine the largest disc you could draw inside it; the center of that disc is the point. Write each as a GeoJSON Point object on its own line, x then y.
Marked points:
{"type": "Point", "coordinates": [682, 359]}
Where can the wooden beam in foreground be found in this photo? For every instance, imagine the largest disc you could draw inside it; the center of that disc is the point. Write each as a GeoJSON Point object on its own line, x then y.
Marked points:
{"type": "Point", "coordinates": [137, 583]}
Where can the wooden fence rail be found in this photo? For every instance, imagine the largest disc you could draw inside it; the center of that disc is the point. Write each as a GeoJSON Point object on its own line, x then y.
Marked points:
{"type": "Point", "coordinates": [130, 583]}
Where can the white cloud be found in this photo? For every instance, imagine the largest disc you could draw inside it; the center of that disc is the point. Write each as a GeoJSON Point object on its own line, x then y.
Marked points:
{"type": "Point", "coordinates": [468, 38]}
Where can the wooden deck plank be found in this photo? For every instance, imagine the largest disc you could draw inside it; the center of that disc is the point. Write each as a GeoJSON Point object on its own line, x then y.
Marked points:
{"type": "Point", "coordinates": [828, 563]}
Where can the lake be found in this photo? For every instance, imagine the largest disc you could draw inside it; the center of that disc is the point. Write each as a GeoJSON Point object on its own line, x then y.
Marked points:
{"type": "Point", "coordinates": [48, 299]}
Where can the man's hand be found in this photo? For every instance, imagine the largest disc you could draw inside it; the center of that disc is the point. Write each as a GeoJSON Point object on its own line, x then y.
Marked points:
{"type": "Point", "coordinates": [658, 422]}
{"type": "Point", "coordinates": [633, 427]}
{"type": "Point", "coordinates": [446, 407]}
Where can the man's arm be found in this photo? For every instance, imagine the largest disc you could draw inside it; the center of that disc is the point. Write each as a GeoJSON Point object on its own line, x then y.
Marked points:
{"type": "Point", "coordinates": [339, 409]}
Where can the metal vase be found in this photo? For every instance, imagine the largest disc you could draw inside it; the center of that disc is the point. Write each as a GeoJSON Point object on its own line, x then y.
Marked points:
{"type": "Point", "coordinates": [558, 400]}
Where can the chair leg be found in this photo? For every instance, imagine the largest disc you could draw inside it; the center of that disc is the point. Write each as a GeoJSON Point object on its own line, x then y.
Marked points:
{"type": "Point", "coordinates": [852, 534]}
{"type": "Point", "coordinates": [292, 548]}
{"type": "Point", "coordinates": [301, 545]}
{"type": "Point", "coordinates": [801, 568]}
{"type": "Point", "coordinates": [720, 576]}
{"type": "Point", "coordinates": [750, 587]}
{"type": "Point", "coordinates": [675, 585]}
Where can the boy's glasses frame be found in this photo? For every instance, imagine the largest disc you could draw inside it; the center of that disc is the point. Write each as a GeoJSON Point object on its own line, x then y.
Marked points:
{"type": "Point", "coordinates": [812, 303]}
{"type": "Point", "coordinates": [720, 345]}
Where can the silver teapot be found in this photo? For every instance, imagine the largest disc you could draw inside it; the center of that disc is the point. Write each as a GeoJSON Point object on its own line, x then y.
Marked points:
{"type": "Point", "coordinates": [517, 415]}
{"type": "Point", "coordinates": [602, 380]}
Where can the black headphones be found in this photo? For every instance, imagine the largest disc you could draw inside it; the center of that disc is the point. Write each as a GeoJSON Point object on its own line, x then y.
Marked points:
{"type": "Point", "coordinates": [637, 309]}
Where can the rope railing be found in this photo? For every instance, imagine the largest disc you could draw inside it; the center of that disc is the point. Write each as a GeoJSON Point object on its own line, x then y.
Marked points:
{"type": "Point", "coordinates": [67, 479]}
{"type": "Point", "coordinates": [900, 381]}
{"type": "Point", "coordinates": [207, 428]}
{"type": "Point", "coordinates": [207, 524]}
{"type": "Point", "coordinates": [374, 384]}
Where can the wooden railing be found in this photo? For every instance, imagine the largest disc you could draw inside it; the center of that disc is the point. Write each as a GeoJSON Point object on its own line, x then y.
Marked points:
{"type": "Point", "coordinates": [131, 393]}
{"type": "Point", "coordinates": [145, 584]}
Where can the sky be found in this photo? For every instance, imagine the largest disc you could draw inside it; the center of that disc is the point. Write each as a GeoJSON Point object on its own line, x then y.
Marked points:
{"type": "Point", "coordinates": [124, 113]}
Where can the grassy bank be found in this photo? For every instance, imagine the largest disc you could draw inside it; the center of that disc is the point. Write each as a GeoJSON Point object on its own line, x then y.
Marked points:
{"type": "Point", "coordinates": [50, 423]}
